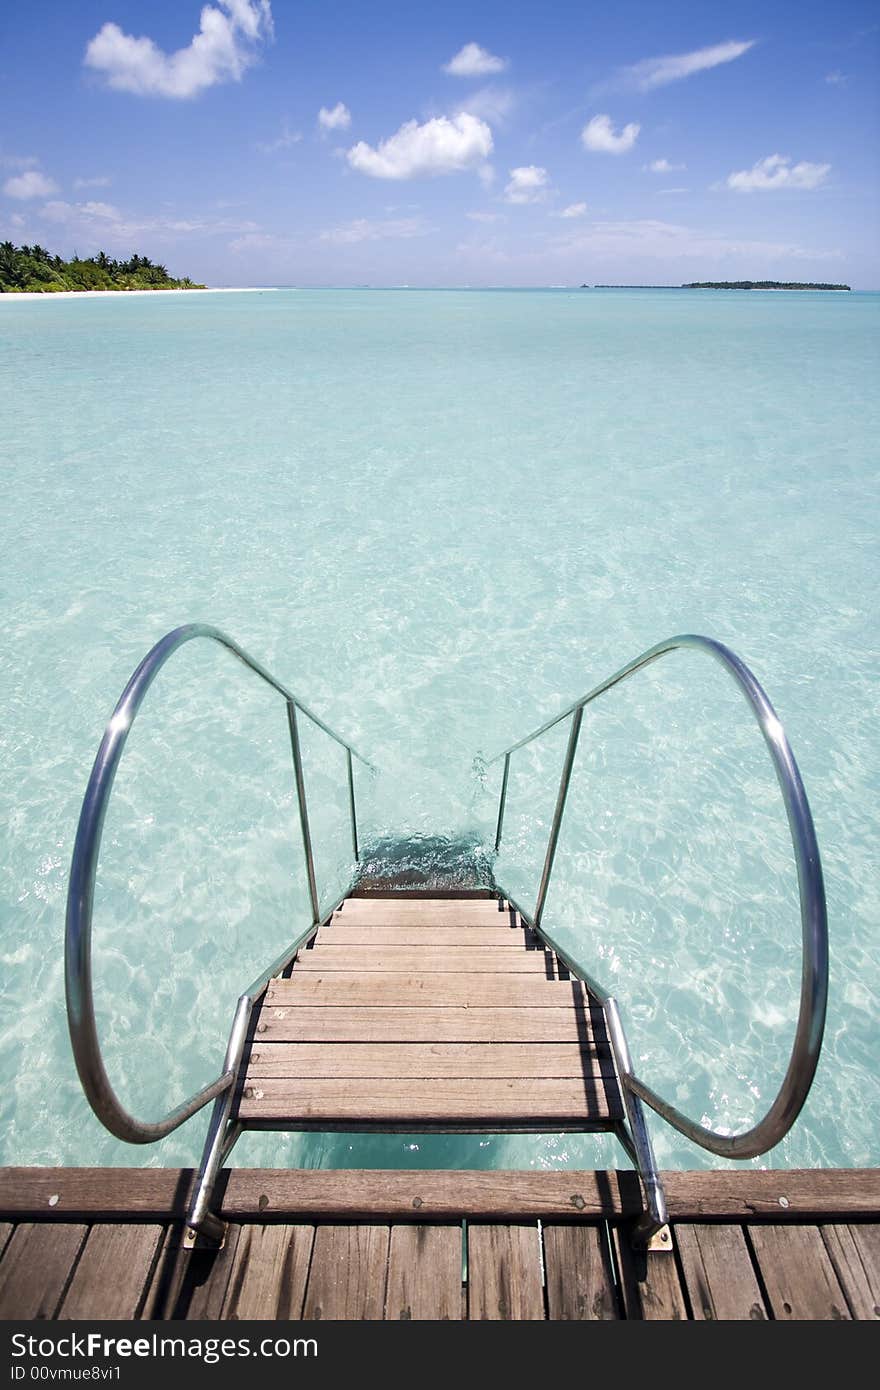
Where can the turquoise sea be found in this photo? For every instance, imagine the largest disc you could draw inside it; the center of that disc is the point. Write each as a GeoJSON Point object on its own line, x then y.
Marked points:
{"type": "Point", "coordinates": [440, 516]}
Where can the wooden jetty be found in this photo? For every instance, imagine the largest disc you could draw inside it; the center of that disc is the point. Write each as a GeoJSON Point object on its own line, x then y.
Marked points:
{"type": "Point", "coordinates": [313, 1244]}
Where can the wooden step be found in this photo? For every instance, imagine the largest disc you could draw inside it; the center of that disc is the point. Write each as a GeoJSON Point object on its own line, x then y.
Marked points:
{"type": "Point", "coordinates": [426, 1060]}
{"type": "Point", "coordinates": [437, 911]}
{"type": "Point", "coordinates": [525, 1026]}
{"type": "Point", "coordinates": [439, 959]}
{"type": "Point", "coordinates": [589, 1103]}
{"type": "Point", "coordinates": [339, 933]}
{"type": "Point", "coordinates": [338, 989]}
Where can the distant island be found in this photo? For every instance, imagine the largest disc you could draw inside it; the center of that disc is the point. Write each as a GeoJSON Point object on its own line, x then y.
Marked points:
{"type": "Point", "coordinates": [33, 269]}
{"type": "Point", "coordinates": [758, 285]}
{"type": "Point", "coordinates": [726, 285]}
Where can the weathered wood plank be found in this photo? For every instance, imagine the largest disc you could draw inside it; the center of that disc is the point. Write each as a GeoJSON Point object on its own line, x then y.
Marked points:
{"type": "Point", "coordinates": [649, 1281]}
{"type": "Point", "coordinates": [538, 1060]}
{"type": "Point", "coordinates": [504, 1273]}
{"type": "Point", "coordinates": [424, 1274]}
{"type": "Point", "coordinates": [269, 1273]}
{"type": "Point", "coordinates": [36, 1267]}
{"type": "Point", "coordinates": [719, 1274]}
{"type": "Point", "coordinates": [348, 1273]}
{"type": "Point", "coordinates": [418, 934]}
{"type": "Point", "coordinates": [592, 1101]}
{"type": "Point", "coordinates": [855, 1255]}
{"type": "Point", "coordinates": [302, 1023]}
{"type": "Point", "coordinates": [798, 1274]}
{"type": "Point", "coordinates": [580, 1284]}
{"type": "Point", "coordinates": [190, 1283]}
{"type": "Point", "coordinates": [458, 912]}
{"type": "Point", "coordinates": [421, 960]}
{"type": "Point", "coordinates": [351, 990]}
{"type": "Point", "coordinates": [112, 1276]}
{"type": "Point", "coordinates": [162, 1194]}
{"type": "Point", "coordinates": [6, 1229]}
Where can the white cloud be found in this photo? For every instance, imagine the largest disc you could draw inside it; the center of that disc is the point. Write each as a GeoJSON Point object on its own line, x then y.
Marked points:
{"type": "Point", "coordinates": [599, 134]}
{"type": "Point", "coordinates": [657, 72]}
{"type": "Point", "coordinates": [101, 181]}
{"type": "Point", "coordinates": [220, 52]}
{"type": "Point", "coordinates": [485, 216]}
{"type": "Point", "coordinates": [474, 61]}
{"type": "Point", "coordinates": [777, 171]}
{"type": "Point", "coordinates": [361, 229]}
{"type": "Point", "coordinates": [337, 117]}
{"type": "Point", "coordinates": [574, 210]}
{"type": "Point", "coordinates": [528, 184]}
{"type": "Point", "coordinates": [662, 166]}
{"type": "Point", "coordinates": [665, 241]}
{"type": "Point", "coordinates": [31, 184]}
{"type": "Point", "coordinates": [285, 141]}
{"type": "Point", "coordinates": [443, 145]}
{"type": "Point", "coordinates": [837, 79]}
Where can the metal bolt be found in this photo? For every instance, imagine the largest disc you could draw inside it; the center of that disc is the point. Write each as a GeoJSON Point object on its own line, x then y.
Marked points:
{"type": "Point", "coordinates": [784, 1202]}
{"type": "Point", "coordinates": [53, 1200]}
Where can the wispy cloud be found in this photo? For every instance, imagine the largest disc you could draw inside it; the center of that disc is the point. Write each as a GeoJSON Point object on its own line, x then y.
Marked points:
{"type": "Point", "coordinates": [662, 166]}
{"type": "Point", "coordinates": [97, 224]}
{"type": "Point", "coordinates": [225, 46]}
{"type": "Point", "coordinates": [836, 79]}
{"type": "Point", "coordinates": [285, 141]}
{"type": "Point", "coordinates": [574, 210]}
{"type": "Point", "coordinates": [18, 161]}
{"type": "Point", "coordinates": [666, 241]}
{"type": "Point", "coordinates": [599, 135]}
{"type": "Point", "coordinates": [99, 181]}
{"type": "Point", "coordinates": [485, 216]}
{"type": "Point", "coordinates": [31, 184]}
{"type": "Point", "coordinates": [528, 184]}
{"type": "Point", "coordinates": [492, 104]}
{"type": "Point", "coordinates": [474, 61]}
{"type": "Point", "coordinates": [657, 72]}
{"type": "Point", "coordinates": [362, 229]}
{"type": "Point", "coordinates": [777, 171]}
{"type": "Point", "coordinates": [444, 145]}
{"type": "Point", "coordinates": [336, 117]}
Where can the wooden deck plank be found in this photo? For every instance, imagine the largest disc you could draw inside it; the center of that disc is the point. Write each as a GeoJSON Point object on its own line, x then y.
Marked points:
{"type": "Point", "coordinates": [453, 911]}
{"type": "Point", "coordinates": [305, 1023]}
{"type": "Point", "coordinates": [162, 1194]}
{"type": "Point", "coordinates": [36, 1267]}
{"type": "Point", "coordinates": [348, 1273]}
{"type": "Point", "coordinates": [112, 1276]}
{"type": "Point", "coordinates": [719, 1274]}
{"type": "Point", "coordinates": [269, 1273]}
{"type": "Point", "coordinates": [649, 1282]}
{"type": "Point", "coordinates": [502, 1100]}
{"type": "Point", "coordinates": [504, 1273]}
{"type": "Point", "coordinates": [190, 1283]}
{"type": "Point", "coordinates": [411, 960]}
{"type": "Point", "coordinates": [339, 989]}
{"type": "Point", "coordinates": [416, 934]}
{"type": "Point", "coordinates": [580, 1284]}
{"type": "Point", "coordinates": [6, 1229]}
{"type": "Point", "coordinates": [855, 1254]}
{"type": "Point", "coordinates": [424, 1274]}
{"type": "Point", "coordinates": [451, 1060]}
{"type": "Point", "coordinates": [797, 1273]}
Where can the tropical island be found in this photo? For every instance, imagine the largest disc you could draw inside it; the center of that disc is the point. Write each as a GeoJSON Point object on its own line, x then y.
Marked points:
{"type": "Point", "coordinates": [759, 285]}
{"type": "Point", "coordinates": [33, 269]}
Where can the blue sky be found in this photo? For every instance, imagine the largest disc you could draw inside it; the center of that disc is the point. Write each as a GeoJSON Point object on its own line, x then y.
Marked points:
{"type": "Point", "coordinates": [478, 143]}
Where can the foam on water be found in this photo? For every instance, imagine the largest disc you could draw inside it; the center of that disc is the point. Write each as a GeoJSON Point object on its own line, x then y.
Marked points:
{"type": "Point", "coordinates": [440, 517]}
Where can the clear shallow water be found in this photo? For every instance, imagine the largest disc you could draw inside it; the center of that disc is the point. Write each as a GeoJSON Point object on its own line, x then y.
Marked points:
{"type": "Point", "coordinates": [440, 517]}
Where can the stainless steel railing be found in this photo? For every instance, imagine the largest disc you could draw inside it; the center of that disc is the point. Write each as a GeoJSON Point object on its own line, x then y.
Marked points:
{"type": "Point", "coordinates": [81, 891]}
{"type": "Point", "coordinates": [804, 1057]}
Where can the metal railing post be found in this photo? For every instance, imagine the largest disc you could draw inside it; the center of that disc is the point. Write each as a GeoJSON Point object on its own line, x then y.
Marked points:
{"type": "Point", "coordinates": [303, 809]}
{"type": "Point", "coordinates": [351, 807]}
{"type": "Point", "coordinates": [561, 798]}
{"type": "Point", "coordinates": [501, 803]}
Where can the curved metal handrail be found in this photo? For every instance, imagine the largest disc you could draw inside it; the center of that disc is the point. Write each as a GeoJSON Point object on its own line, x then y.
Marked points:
{"type": "Point", "coordinates": [796, 1083]}
{"type": "Point", "coordinates": [81, 890]}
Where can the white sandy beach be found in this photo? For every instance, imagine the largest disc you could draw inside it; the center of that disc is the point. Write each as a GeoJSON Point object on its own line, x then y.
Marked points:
{"type": "Point", "coordinates": [128, 294]}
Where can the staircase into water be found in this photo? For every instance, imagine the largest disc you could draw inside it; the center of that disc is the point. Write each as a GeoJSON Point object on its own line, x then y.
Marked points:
{"type": "Point", "coordinates": [434, 1010]}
